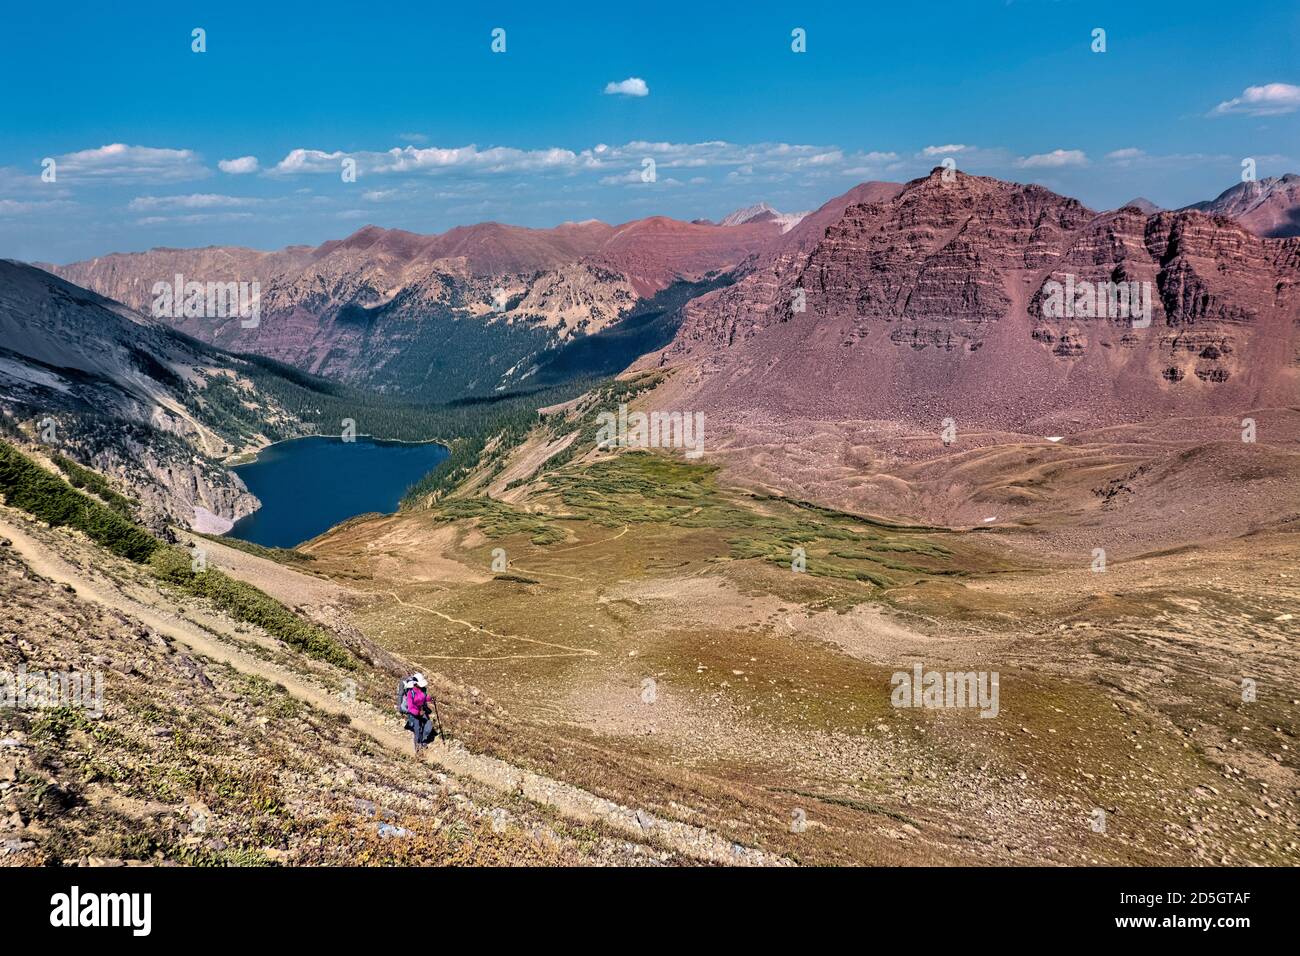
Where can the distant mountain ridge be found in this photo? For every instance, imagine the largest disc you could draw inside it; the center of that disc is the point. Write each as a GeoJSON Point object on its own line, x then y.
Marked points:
{"type": "Point", "coordinates": [762, 212]}
{"type": "Point", "coordinates": [1144, 204]}
{"type": "Point", "coordinates": [480, 309]}
{"type": "Point", "coordinates": [1268, 207]}
{"type": "Point", "coordinates": [387, 308]}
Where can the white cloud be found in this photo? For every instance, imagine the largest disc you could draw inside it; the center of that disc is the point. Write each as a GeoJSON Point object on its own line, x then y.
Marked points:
{"type": "Point", "coordinates": [829, 158]}
{"type": "Point", "coordinates": [942, 150]}
{"type": "Point", "coordinates": [866, 165]}
{"type": "Point", "coordinates": [409, 159]}
{"type": "Point", "coordinates": [632, 86]}
{"type": "Point", "coordinates": [28, 182]}
{"type": "Point", "coordinates": [238, 167]}
{"type": "Point", "coordinates": [413, 137]}
{"type": "Point", "coordinates": [601, 159]}
{"type": "Point", "coordinates": [497, 159]}
{"type": "Point", "coordinates": [131, 163]}
{"type": "Point", "coordinates": [13, 207]}
{"type": "Point", "coordinates": [1056, 158]}
{"type": "Point", "coordinates": [1271, 99]}
{"type": "Point", "coordinates": [194, 218]}
{"type": "Point", "coordinates": [192, 201]}
{"type": "Point", "coordinates": [309, 161]}
{"type": "Point", "coordinates": [379, 195]}
{"type": "Point", "coordinates": [631, 178]}
{"type": "Point", "coordinates": [1133, 158]}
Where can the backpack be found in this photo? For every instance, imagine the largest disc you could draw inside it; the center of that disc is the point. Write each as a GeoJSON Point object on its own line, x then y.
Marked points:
{"type": "Point", "coordinates": [402, 687]}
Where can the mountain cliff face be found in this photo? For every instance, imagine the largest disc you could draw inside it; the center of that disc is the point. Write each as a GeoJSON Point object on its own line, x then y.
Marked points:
{"type": "Point", "coordinates": [464, 311]}
{"type": "Point", "coordinates": [931, 304]}
{"type": "Point", "coordinates": [88, 378]}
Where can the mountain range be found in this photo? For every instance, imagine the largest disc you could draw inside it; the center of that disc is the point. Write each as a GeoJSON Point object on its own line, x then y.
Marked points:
{"type": "Point", "coordinates": [762, 212]}
{"type": "Point", "coordinates": [139, 401]}
{"type": "Point", "coordinates": [892, 401]}
{"type": "Point", "coordinates": [909, 304]}
{"type": "Point", "coordinates": [481, 309]}
{"type": "Point", "coordinates": [387, 308]}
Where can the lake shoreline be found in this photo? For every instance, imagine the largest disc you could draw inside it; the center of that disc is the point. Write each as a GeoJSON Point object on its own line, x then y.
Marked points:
{"type": "Point", "coordinates": [239, 459]}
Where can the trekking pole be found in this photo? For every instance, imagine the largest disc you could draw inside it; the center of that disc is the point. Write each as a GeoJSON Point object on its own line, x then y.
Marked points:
{"type": "Point", "coordinates": [437, 716]}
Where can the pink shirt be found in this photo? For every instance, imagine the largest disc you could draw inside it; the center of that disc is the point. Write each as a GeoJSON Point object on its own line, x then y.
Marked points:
{"type": "Point", "coordinates": [415, 700]}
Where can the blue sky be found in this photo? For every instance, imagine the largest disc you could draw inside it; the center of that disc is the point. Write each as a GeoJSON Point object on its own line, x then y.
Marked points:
{"type": "Point", "coordinates": [444, 131]}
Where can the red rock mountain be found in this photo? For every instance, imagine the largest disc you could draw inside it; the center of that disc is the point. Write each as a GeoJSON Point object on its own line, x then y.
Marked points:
{"type": "Point", "coordinates": [383, 306]}
{"type": "Point", "coordinates": [926, 302]}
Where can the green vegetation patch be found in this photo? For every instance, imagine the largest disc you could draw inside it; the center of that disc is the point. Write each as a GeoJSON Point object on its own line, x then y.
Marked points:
{"type": "Point", "coordinates": [248, 604]}
{"type": "Point", "coordinates": [498, 519]}
{"type": "Point", "coordinates": [605, 398]}
{"type": "Point", "coordinates": [92, 481]}
{"type": "Point", "coordinates": [28, 486]}
{"type": "Point", "coordinates": [645, 487]}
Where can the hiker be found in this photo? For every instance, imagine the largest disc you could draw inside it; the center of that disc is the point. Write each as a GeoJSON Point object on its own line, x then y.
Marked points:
{"type": "Point", "coordinates": [415, 701]}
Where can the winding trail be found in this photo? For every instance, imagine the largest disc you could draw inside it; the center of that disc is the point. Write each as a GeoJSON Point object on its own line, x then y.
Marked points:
{"type": "Point", "coordinates": [569, 651]}
{"type": "Point", "coordinates": [577, 547]}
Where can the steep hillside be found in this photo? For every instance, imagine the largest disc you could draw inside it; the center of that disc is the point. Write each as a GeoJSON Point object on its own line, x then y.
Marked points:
{"type": "Point", "coordinates": [152, 408]}
{"type": "Point", "coordinates": [184, 727]}
{"type": "Point", "coordinates": [161, 413]}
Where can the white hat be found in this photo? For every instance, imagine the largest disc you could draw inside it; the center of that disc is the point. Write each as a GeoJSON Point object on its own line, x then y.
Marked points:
{"type": "Point", "coordinates": [419, 679]}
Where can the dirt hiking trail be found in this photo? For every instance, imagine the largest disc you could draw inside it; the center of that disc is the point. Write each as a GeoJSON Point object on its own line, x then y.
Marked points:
{"type": "Point", "coordinates": [570, 801]}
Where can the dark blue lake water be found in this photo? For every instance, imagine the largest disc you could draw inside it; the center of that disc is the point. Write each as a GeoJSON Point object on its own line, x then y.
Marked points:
{"type": "Point", "coordinates": [308, 485]}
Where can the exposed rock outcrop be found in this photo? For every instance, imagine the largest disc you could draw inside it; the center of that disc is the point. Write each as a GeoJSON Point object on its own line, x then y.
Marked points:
{"type": "Point", "coordinates": [931, 304]}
